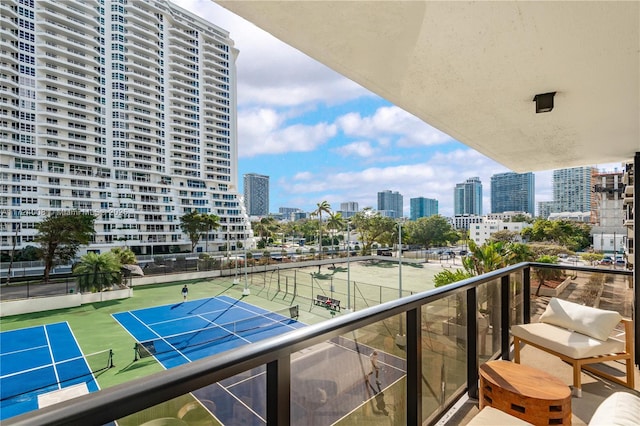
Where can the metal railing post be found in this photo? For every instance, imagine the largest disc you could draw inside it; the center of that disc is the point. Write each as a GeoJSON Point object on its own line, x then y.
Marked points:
{"type": "Point", "coordinates": [526, 295]}
{"type": "Point", "coordinates": [505, 310]}
{"type": "Point", "coordinates": [279, 392]}
{"type": "Point", "coordinates": [414, 367]}
{"type": "Point", "coordinates": [472, 343]}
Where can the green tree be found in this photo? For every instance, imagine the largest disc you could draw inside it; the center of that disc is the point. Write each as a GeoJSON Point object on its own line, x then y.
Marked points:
{"type": "Point", "coordinates": [96, 272]}
{"type": "Point", "coordinates": [336, 222]}
{"type": "Point", "coordinates": [265, 228]}
{"type": "Point", "coordinates": [322, 207]}
{"type": "Point", "coordinates": [191, 224]}
{"type": "Point", "coordinates": [573, 235]}
{"type": "Point", "coordinates": [592, 258]}
{"type": "Point", "coordinates": [371, 226]}
{"type": "Point", "coordinates": [209, 223]}
{"type": "Point", "coordinates": [125, 255]}
{"type": "Point", "coordinates": [505, 235]}
{"type": "Point", "coordinates": [431, 231]}
{"type": "Point", "coordinates": [544, 274]}
{"type": "Point", "coordinates": [60, 236]}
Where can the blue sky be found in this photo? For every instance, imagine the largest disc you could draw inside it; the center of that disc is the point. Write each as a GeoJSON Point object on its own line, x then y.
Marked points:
{"type": "Point", "coordinates": [320, 136]}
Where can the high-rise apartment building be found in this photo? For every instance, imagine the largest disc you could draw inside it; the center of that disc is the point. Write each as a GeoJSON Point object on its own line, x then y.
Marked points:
{"type": "Point", "coordinates": [467, 197]}
{"type": "Point", "coordinates": [256, 194]}
{"type": "Point", "coordinates": [422, 207]}
{"type": "Point", "coordinates": [513, 192]}
{"type": "Point", "coordinates": [391, 203]}
{"type": "Point", "coordinates": [348, 209]}
{"type": "Point", "coordinates": [122, 109]}
{"type": "Point", "coordinates": [572, 189]}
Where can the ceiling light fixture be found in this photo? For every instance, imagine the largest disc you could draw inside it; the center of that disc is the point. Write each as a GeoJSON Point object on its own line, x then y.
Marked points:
{"type": "Point", "coordinates": [544, 102]}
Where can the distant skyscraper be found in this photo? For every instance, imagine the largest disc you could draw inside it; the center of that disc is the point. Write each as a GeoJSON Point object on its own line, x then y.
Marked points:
{"type": "Point", "coordinates": [390, 201]}
{"type": "Point", "coordinates": [423, 207]}
{"type": "Point", "coordinates": [572, 189]}
{"type": "Point", "coordinates": [467, 197]}
{"type": "Point", "coordinates": [349, 206]}
{"type": "Point", "coordinates": [348, 209]}
{"type": "Point", "coordinates": [513, 192]}
{"type": "Point", "coordinates": [256, 194]}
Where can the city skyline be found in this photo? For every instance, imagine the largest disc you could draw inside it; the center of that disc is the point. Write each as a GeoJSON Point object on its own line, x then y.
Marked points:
{"type": "Point", "coordinates": [319, 136]}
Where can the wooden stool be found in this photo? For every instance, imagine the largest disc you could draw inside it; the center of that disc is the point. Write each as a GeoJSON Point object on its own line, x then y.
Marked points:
{"type": "Point", "coordinates": [524, 392]}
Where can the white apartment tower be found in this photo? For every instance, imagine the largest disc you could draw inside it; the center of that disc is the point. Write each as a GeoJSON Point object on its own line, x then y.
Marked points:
{"type": "Point", "coordinates": [126, 109]}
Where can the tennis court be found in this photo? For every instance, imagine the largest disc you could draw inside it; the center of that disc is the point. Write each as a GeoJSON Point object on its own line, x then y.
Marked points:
{"type": "Point", "coordinates": [187, 331]}
{"type": "Point", "coordinates": [43, 365]}
{"type": "Point", "coordinates": [328, 380]}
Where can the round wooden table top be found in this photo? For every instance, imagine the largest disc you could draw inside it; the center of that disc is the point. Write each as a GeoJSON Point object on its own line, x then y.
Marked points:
{"type": "Point", "coordinates": [523, 380]}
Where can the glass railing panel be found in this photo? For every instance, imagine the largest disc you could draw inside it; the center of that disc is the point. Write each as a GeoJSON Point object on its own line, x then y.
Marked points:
{"type": "Point", "coordinates": [444, 352]}
{"type": "Point", "coordinates": [356, 378]}
{"type": "Point", "coordinates": [488, 314]}
{"type": "Point", "coordinates": [189, 409]}
{"type": "Point", "coordinates": [516, 298]}
{"type": "Point", "coordinates": [603, 289]}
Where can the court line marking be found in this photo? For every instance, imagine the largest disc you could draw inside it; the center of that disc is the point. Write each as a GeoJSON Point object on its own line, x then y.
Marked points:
{"type": "Point", "coordinates": [159, 337]}
{"type": "Point", "coordinates": [86, 361]}
{"type": "Point", "coordinates": [23, 350]}
{"type": "Point", "coordinates": [53, 360]}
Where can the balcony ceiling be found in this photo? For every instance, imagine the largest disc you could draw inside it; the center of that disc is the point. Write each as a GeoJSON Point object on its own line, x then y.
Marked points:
{"type": "Point", "coordinates": [471, 69]}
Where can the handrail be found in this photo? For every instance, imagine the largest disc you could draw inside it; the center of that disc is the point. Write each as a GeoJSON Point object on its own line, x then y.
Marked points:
{"type": "Point", "coordinates": [127, 398]}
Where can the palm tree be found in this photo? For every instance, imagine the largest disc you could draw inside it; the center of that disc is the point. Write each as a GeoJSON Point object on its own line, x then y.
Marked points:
{"type": "Point", "coordinates": [97, 271]}
{"type": "Point", "coordinates": [335, 222]}
{"type": "Point", "coordinates": [209, 222]}
{"type": "Point", "coordinates": [265, 227]}
{"type": "Point", "coordinates": [325, 207]}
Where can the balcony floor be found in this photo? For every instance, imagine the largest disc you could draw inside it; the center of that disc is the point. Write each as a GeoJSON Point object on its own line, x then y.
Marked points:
{"type": "Point", "coordinates": [594, 389]}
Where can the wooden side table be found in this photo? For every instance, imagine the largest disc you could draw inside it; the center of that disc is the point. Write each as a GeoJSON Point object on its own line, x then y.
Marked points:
{"type": "Point", "coordinates": [525, 392]}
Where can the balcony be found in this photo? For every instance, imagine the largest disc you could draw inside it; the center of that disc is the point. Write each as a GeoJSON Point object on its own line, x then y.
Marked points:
{"type": "Point", "coordinates": [437, 341]}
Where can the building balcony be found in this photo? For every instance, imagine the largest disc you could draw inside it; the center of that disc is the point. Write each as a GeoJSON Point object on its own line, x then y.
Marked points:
{"type": "Point", "coordinates": [431, 345]}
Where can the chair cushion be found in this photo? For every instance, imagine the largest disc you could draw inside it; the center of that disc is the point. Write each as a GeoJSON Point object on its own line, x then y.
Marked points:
{"type": "Point", "coordinates": [619, 409]}
{"type": "Point", "coordinates": [570, 343]}
{"type": "Point", "coordinates": [490, 416]}
{"type": "Point", "coordinates": [597, 323]}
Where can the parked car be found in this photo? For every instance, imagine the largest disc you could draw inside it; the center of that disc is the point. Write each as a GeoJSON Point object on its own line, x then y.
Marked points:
{"type": "Point", "coordinates": [606, 261]}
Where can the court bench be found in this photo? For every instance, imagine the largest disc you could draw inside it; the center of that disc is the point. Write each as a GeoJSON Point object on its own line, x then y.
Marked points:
{"type": "Point", "coordinates": [328, 302]}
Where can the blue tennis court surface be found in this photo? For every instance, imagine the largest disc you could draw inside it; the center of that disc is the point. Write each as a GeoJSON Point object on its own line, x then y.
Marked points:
{"type": "Point", "coordinates": [187, 331]}
{"type": "Point", "coordinates": [37, 360]}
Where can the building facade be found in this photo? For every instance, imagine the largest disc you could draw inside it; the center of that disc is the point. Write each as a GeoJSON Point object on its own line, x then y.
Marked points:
{"type": "Point", "coordinates": [572, 189]}
{"type": "Point", "coordinates": [256, 194]}
{"type": "Point", "coordinates": [480, 233]}
{"type": "Point", "coordinates": [513, 192]}
{"type": "Point", "coordinates": [422, 207]}
{"type": "Point", "coordinates": [391, 203]}
{"type": "Point", "coordinates": [126, 110]}
{"type": "Point", "coordinates": [467, 197]}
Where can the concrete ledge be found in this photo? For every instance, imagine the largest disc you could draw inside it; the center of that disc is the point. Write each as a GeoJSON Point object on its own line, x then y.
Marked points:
{"type": "Point", "coordinates": [49, 303]}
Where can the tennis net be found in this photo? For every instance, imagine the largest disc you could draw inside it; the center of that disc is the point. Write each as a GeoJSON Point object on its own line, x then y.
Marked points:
{"type": "Point", "coordinates": [216, 333]}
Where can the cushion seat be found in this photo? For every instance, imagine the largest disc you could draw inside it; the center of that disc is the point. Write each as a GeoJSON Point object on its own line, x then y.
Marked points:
{"type": "Point", "coordinates": [570, 343]}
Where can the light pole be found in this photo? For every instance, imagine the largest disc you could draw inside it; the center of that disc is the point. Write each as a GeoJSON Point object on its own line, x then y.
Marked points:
{"type": "Point", "coordinates": [245, 291]}
{"type": "Point", "coordinates": [245, 219]}
{"type": "Point", "coordinates": [401, 339]}
{"type": "Point", "coordinates": [348, 267]}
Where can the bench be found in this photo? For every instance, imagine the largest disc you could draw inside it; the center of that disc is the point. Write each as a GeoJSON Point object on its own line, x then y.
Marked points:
{"type": "Point", "coordinates": [579, 335]}
{"type": "Point", "coordinates": [327, 302]}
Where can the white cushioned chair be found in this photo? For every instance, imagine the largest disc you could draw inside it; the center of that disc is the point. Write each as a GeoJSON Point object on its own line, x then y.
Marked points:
{"type": "Point", "coordinates": [619, 409]}
{"type": "Point", "coordinates": [579, 335]}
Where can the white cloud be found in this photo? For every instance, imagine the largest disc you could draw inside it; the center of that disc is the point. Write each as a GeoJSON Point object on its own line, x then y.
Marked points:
{"type": "Point", "coordinates": [360, 149]}
{"type": "Point", "coordinates": [260, 132]}
{"type": "Point", "coordinates": [391, 121]}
